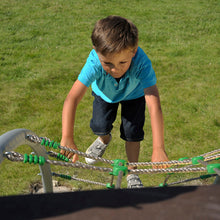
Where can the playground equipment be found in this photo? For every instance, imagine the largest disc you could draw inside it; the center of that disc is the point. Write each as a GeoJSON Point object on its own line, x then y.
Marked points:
{"type": "Point", "coordinates": [15, 138]}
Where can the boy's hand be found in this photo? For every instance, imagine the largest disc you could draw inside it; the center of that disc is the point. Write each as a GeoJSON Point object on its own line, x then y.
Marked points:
{"type": "Point", "coordinates": [69, 144]}
{"type": "Point", "coordinates": [159, 156]}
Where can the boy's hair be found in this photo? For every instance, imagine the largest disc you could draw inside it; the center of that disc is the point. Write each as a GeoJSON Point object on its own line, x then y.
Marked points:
{"type": "Point", "coordinates": [114, 34]}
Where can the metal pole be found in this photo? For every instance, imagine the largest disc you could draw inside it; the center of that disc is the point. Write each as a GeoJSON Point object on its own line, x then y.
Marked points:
{"type": "Point", "coordinates": [15, 138]}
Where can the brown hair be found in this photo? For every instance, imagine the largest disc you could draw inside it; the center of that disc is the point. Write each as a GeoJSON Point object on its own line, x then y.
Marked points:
{"type": "Point", "coordinates": [113, 34]}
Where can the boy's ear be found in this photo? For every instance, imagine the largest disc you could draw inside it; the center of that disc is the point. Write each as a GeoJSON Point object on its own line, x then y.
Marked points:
{"type": "Point", "coordinates": [135, 51]}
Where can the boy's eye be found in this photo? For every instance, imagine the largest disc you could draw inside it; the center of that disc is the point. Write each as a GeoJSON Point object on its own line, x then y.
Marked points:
{"type": "Point", "coordinates": [123, 62]}
{"type": "Point", "coordinates": [106, 63]}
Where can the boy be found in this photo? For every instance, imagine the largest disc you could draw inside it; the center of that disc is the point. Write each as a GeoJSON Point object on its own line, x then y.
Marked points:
{"type": "Point", "coordinates": [119, 72]}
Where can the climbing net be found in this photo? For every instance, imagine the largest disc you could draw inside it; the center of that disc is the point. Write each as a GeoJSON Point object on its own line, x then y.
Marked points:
{"type": "Point", "coordinates": [119, 167]}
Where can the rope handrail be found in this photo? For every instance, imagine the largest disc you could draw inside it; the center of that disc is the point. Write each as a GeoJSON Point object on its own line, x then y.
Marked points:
{"type": "Point", "coordinates": [15, 156]}
{"type": "Point", "coordinates": [36, 139]}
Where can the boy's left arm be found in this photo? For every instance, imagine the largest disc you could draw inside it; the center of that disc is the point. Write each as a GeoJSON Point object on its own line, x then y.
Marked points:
{"type": "Point", "coordinates": [153, 102]}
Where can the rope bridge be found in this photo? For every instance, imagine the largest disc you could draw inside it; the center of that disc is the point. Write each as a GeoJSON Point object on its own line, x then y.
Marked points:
{"type": "Point", "coordinates": [12, 139]}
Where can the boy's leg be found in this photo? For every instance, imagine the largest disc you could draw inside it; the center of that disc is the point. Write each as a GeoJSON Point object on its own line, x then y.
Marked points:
{"type": "Point", "coordinates": [105, 138]}
{"type": "Point", "coordinates": [104, 114]}
{"type": "Point", "coordinates": [132, 151]}
{"type": "Point", "coordinates": [133, 118]}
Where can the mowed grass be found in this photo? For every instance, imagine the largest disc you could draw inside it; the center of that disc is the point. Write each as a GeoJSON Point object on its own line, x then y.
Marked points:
{"type": "Point", "coordinates": [44, 45]}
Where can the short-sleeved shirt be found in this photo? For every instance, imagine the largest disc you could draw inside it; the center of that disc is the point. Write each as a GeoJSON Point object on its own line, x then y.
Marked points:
{"type": "Point", "coordinates": [139, 76]}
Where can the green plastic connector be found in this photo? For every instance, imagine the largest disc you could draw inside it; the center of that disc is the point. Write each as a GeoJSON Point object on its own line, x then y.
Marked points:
{"type": "Point", "coordinates": [41, 160]}
{"type": "Point", "coordinates": [43, 141]}
{"type": "Point", "coordinates": [118, 166]}
{"type": "Point", "coordinates": [56, 145]}
{"type": "Point", "coordinates": [65, 176]}
{"type": "Point", "coordinates": [109, 186]}
{"type": "Point", "coordinates": [62, 157]}
{"type": "Point", "coordinates": [211, 167]}
{"type": "Point", "coordinates": [31, 159]}
{"type": "Point", "coordinates": [203, 177]}
{"type": "Point", "coordinates": [183, 158]}
{"type": "Point", "coordinates": [25, 158]}
{"type": "Point", "coordinates": [195, 160]}
{"type": "Point", "coordinates": [51, 144]}
{"type": "Point", "coordinates": [35, 159]}
{"type": "Point", "coordinates": [47, 143]}
{"type": "Point", "coordinates": [162, 185]}
{"type": "Point", "coordinates": [117, 169]}
{"type": "Point", "coordinates": [58, 155]}
{"type": "Point", "coordinates": [119, 162]}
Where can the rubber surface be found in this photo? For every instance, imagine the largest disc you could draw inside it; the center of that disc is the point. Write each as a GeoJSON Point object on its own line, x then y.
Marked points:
{"type": "Point", "coordinates": [188, 202]}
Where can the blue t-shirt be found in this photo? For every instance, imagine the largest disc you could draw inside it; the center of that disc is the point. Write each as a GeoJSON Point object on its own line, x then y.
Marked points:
{"type": "Point", "coordinates": [139, 76]}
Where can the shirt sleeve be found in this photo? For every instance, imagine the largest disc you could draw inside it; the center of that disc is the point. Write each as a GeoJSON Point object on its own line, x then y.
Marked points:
{"type": "Point", "coordinates": [145, 71]}
{"type": "Point", "coordinates": [90, 70]}
{"type": "Point", "coordinates": [148, 76]}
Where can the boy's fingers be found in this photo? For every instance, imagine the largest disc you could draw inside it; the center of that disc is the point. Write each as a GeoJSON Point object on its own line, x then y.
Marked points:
{"type": "Point", "coordinates": [69, 155]}
{"type": "Point", "coordinates": [162, 166]}
{"type": "Point", "coordinates": [75, 158]}
{"type": "Point", "coordinates": [62, 152]}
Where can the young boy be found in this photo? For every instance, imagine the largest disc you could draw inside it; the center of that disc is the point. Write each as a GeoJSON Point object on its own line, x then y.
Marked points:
{"type": "Point", "coordinates": [119, 72]}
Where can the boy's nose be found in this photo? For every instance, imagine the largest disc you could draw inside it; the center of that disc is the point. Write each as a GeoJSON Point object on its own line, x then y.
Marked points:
{"type": "Point", "coordinates": [114, 69]}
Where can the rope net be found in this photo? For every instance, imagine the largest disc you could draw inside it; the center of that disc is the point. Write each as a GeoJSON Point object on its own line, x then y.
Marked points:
{"type": "Point", "coordinates": [183, 165]}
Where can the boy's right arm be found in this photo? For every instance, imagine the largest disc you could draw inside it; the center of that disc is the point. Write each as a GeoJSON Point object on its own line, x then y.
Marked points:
{"type": "Point", "coordinates": [68, 118]}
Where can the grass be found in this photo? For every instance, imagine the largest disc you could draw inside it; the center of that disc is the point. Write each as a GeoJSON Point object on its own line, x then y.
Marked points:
{"type": "Point", "coordinates": [44, 45]}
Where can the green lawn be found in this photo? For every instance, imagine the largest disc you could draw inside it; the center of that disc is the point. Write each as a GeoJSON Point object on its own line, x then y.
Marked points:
{"type": "Point", "coordinates": [44, 44]}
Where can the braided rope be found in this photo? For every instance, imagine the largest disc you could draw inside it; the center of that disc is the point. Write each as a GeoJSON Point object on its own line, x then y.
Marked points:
{"type": "Point", "coordinates": [177, 162]}
{"type": "Point", "coordinates": [36, 139]}
{"type": "Point", "coordinates": [211, 152]}
{"type": "Point", "coordinates": [14, 156]}
{"type": "Point", "coordinates": [170, 170]}
{"type": "Point", "coordinates": [81, 180]}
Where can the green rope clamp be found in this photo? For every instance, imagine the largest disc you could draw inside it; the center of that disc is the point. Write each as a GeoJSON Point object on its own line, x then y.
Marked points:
{"type": "Point", "coordinates": [195, 160]}
{"type": "Point", "coordinates": [118, 166]}
{"type": "Point", "coordinates": [211, 167]}
{"type": "Point", "coordinates": [163, 185]}
{"type": "Point", "coordinates": [47, 143]}
{"type": "Point", "coordinates": [43, 141]}
{"type": "Point", "coordinates": [62, 157]}
{"type": "Point", "coordinates": [109, 186]}
{"type": "Point", "coordinates": [205, 176]}
{"type": "Point", "coordinates": [119, 162]}
{"type": "Point", "coordinates": [41, 160]}
{"type": "Point", "coordinates": [183, 158]}
{"type": "Point", "coordinates": [35, 159]}
{"type": "Point", "coordinates": [25, 158]}
{"type": "Point", "coordinates": [31, 159]}
{"type": "Point", "coordinates": [65, 176]}
{"type": "Point", "coordinates": [51, 144]}
{"type": "Point", "coordinates": [56, 145]}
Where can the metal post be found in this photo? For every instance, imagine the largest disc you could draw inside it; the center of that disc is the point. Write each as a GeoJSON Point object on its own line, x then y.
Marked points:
{"type": "Point", "coordinates": [15, 138]}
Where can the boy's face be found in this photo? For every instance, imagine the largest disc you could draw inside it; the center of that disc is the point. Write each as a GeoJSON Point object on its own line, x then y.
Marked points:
{"type": "Point", "coordinates": [118, 63]}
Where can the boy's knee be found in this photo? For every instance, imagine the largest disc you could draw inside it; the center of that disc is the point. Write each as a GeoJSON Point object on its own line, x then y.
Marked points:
{"type": "Point", "coordinates": [100, 127]}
